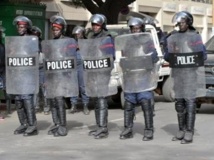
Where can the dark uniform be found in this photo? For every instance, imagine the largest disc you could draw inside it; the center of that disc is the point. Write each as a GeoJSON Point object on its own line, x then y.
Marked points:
{"type": "Point", "coordinates": [58, 111]}
{"type": "Point", "coordinates": [185, 107]}
{"type": "Point", "coordinates": [41, 95]}
{"type": "Point", "coordinates": [78, 32]}
{"type": "Point", "coordinates": [137, 25]}
{"type": "Point", "coordinates": [24, 103]}
{"type": "Point", "coordinates": [98, 22]}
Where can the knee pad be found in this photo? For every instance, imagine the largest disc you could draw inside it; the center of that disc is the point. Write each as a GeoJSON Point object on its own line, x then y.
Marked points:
{"type": "Point", "coordinates": [102, 103]}
{"type": "Point", "coordinates": [19, 104]}
{"type": "Point", "coordinates": [145, 104]}
{"type": "Point", "coordinates": [191, 105]}
{"type": "Point", "coordinates": [128, 106]}
{"type": "Point", "coordinates": [180, 106]}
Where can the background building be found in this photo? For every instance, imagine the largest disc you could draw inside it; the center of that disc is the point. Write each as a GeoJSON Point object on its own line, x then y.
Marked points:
{"type": "Point", "coordinates": [162, 10]}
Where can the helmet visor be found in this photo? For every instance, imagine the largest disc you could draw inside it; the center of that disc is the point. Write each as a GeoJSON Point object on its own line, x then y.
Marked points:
{"type": "Point", "coordinates": [22, 19]}
{"type": "Point", "coordinates": [178, 17]}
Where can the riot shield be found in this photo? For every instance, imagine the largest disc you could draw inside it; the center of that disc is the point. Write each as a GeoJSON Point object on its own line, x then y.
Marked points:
{"type": "Point", "coordinates": [22, 66]}
{"type": "Point", "coordinates": [97, 55]}
{"type": "Point", "coordinates": [139, 71]}
{"type": "Point", "coordinates": [186, 60]}
{"type": "Point", "coordinates": [60, 68]}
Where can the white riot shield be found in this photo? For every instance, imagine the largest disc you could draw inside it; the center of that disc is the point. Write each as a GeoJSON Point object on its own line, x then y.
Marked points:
{"type": "Point", "coordinates": [187, 63]}
{"type": "Point", "coordinates": [60, 68]}
{"type": "Point", "coordinates": [139, 72]}
{"type": "Point", "coordinates": [97, 55]}
{"type": "Point", "coordinates": [22, 66]}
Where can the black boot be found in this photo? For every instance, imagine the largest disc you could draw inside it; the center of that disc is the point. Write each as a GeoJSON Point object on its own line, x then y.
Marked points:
{"type": "Point", "coordinates": [180, 107]}
{"type": "Point", "coordinates": [73, 108]}
{"type": "Point", "coordinates": [96, 112]}
{"type": "Point", "coordinates": [102, 131]}
{"type": "Point", "coordinates": [129, 113]}
{"type": "Point", "coordinates": [85, 109]}
{"type": "Point", "coordinates": [31, 117]}
{"type": "Point", "coordinates": [36, 102]}
{"type": "Point", "coordinates": [55, 117]}
{"type": "Point", "coordinates": [62, 129]}
{"type": "Point", "coordinates": [46, 108]}
{"type": "Point", "coordinates": [153, 106]}
{"type": "Point", "coordinates": [181, 124]}
{"type": "Point", "coordinates": [8, 102]}
{"type": "Point", "coordinates": [22, 117]}
{"type": "Point", "coordinates": [190, 121]}
{"type": "Point", "coordinates": [148, 117]}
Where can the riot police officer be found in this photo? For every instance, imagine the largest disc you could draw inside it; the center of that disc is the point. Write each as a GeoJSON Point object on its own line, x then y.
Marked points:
{"type": "Point", "coordinates": [78, 33]}
{"type": "Point", "coordinates": [188, 78]}
{"type": "Point", "coordinates": [98, 22]}
{"type": "Point", "coordinates": [58, 27]}
{"type": "Point", "coordinates": [153, 22]}
{"type": "Point", "coordinates": [41, 95]}
{"type": "Point", "coordinates": [144, 98]}
{"type": "Point", "coordinates": [24, 103]}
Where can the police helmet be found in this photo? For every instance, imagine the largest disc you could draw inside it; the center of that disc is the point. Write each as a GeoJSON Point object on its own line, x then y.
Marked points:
{"type": "Point", "coordinates": [37, 31]}
{"type": "Point", "coordinates": [59, 22]}
{"type": "Point", "coordinates": [78, 29]}
{"type": "Point", "coordinates": [183, 15]}
{"type": "Point", "coordinates": [19, 20]}
{"type": "Point", "coordinates": [135, 21]}
{"type": "Point", "coordinates": [151, 21]}
{"type": "Point", "coordinates": [99, 19]}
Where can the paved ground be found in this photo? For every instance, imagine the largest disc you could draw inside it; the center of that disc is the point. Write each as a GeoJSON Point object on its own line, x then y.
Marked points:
{"type": "Point", "coordinates": [78, 145]}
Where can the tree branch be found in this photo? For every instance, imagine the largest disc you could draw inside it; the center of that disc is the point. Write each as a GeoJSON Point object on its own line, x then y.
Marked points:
{"type": "Point", "coordinates": [90, 6]}
{"type": "Point", "coordinates": [99, 2]}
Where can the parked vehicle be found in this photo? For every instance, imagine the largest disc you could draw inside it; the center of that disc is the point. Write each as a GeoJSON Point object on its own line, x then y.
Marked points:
{"type": "Point", "coordinates": [209, 75]}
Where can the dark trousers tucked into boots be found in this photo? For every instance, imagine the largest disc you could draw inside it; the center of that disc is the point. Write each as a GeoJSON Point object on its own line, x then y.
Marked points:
{"type": "Point", "coordinates": [101, 116]}
{"type": "Point", "coordinates": [22, 117]}
{"type": "Point", "coordinates": [180, 107]}
{"type": "Point", "coordinates": [97, 119]}
{"type": "Point", "coordinates": [148, 117]}
{"type": "Point", "coordinates": [73, 108]}
{"type": "Point", "coordinates": [42, 102]}
{"type": "Point", "coordinates": [46, 108]}
{"type": "Point", "coordinates": [55, 117]}
{"type": "Point", "coordinates": [190, 121]}
{"type": "Point", "coordinates": [86, 110]}
{"type": "Point", "coordinates": [31, 117]}
{"type": "Point", "coordinates": [129, 113]}
{"type": "Point", "coordinates": [186, 110]}
{"type": "Point", "coordinates": [59, 117]}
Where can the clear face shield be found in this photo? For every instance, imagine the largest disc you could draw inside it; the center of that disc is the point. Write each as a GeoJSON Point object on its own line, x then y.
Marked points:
{"type": "Point", "coordinates": [22, 19]}
{"type": "Point", "coordinates": [59, 20]}
{"type": "Point", "coordinates": [78, 32]}
{"type": "Point", "coordinates": [136, 24]}
{"type": "Point", "coordinates": [99, 20]}
{"type": "Point", "coordinates": [179, 17]}
{"type": "Point", "coordinates": [180, 20]}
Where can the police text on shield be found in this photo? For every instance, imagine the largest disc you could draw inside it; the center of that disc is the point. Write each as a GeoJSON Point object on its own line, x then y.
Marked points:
{"type": "Point", "coordinates": [97, 64]}
{"type": "Point", "coordinates": [183, 60]}
{"type": "Point", "coordinates": [60, 65]}
{"type": "Point", "coordinates": [21, 61]}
